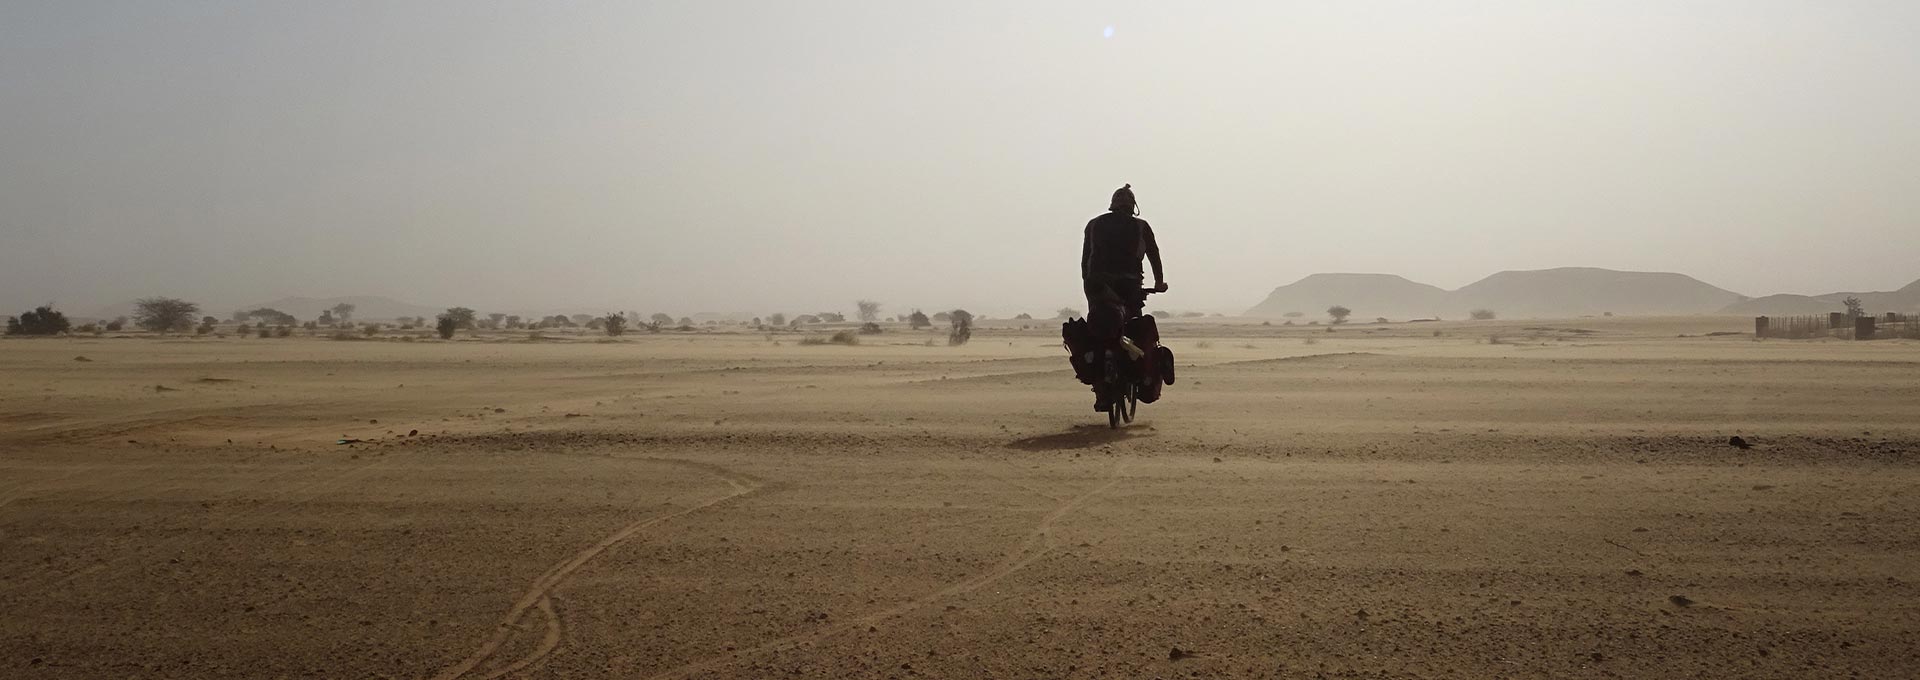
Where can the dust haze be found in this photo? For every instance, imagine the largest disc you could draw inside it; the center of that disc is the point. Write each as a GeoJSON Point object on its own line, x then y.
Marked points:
{"type": "Point", "coordinates": [675, 340]}
{"type": "Point", "coordinates": [752, 157]}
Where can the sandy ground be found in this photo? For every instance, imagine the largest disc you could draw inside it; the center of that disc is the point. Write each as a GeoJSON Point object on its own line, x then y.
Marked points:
{"type": "Point", "coordinates": [1409, 500]}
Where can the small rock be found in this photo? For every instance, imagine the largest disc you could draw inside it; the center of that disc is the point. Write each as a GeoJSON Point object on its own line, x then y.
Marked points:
{"type": "Point", "coordinates": [1635, 572]}
{"type": "Point", "coordinates": [1681, 601]}
{"type": "Point", "coordinates": [81, 359]}
{"type": "Point", "coordinates": [1176, 654]}
{"type": "Point", "coordinates": [1738, 443]}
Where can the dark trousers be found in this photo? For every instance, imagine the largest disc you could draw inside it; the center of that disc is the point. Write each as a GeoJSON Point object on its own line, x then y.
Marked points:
{"type": "Point", "coordinates": [1111, 300]}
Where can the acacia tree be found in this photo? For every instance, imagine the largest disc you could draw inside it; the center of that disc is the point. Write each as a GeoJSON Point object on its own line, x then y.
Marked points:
{"type": "Point", "coordinates": [1339, 314]}
{"type": "Point", "coordinates": [918, 320]}
{"type": "Point", "coordinates": [343, 312]}
{"type": "Point", "coordinates": [777, 319]}
{"type": "Point", "coordinates": [43, 320]}
{"type": "Point", "coordinates": [164, 314]}
{"type": "Point", "coordinates": [614, 324]}
{"type": "Point", "coordinates": [661, 319]}
{"type": "Point", "coordinates": [1855, 308]}
{"type": "Point", "coordinates": [867, 310]}
{"type": "Point", "coordinates": [462, 317]}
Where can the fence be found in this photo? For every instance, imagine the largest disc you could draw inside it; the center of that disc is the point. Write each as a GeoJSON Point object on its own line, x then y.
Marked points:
{"type": "Point", "coordinates": [1838, 325]}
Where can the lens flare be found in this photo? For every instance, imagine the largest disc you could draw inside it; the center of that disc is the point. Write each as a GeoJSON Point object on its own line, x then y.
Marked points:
{"type": "Point", "coordinates": [1108, 33]}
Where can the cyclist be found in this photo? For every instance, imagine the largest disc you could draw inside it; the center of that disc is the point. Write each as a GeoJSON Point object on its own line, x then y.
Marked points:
{"type": "Point", "coordinates": [1110, 272]}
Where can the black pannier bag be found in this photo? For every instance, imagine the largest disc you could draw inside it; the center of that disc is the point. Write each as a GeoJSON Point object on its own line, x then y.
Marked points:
{"type": "Point", "coordinates": [1078, 338]}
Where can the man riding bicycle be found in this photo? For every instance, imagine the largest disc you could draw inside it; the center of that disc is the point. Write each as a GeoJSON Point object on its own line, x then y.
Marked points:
{"type": "Point", "coordinates": [1110, 262]}
{"type": "Point", "coordinates": [1110, 273]}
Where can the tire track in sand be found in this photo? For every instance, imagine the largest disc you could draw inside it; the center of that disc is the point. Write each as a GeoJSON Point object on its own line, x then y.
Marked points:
{"type": "Point", "coordinates": [539, 598]}
{"type": "Point", "coordinates": [1036, 544]}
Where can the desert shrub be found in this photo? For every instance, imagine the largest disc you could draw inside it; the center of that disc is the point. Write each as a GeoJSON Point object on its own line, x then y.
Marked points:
{"type": "Point", "coordinates": [614, 324]}
{"type": "Point", "coordinates": [1481, 314]}
{"type": "Point", "coordinates": [310, 325]}
{"type": "Point", "coordinates": [343, 311]}
{"type": "Point", "coordinates": [1066, 313]}
{"type": "Point", "coordinates": [918, 320]}
{"type": "Point", "coordinates": [116, 324]}
{"type": "Point", "coordinates": [345, 335]}
{"type": "Point", "coordinates": [660, 319]}
{"type": "Point", "coordinates": [164, 314]}
{"type": "Point", "coordinates": [446, 326]}
{"type": "Point", "coordinates": [846, 337]}
{"type": "Point", "coordinates": [42, 320]}
{"type": "Point", "coordinates": [497, 320]}
{"type": "Point", "coordinates": [582, 319]}
{"type": "Point", "coordinates": [326, 317]}
{"type": "Point", "coordinates": [867, 310]}
{"type": "Point", "coordinates": [962, 329]}
{"type": "Point", "coordinates": [206, 326]}
{"type": "Point", "coordinates": [1380, 319]}
{"type": "Point", "coordinates": [92, 328]}
{"type": "Point", "coordinates": [283, 332]}
{"type": "Point", "coordinates": [869, 328]}
{"type": "Point", "coordinates": [370, 330]}
{"type": "Point", "coordinates": [686, 321]}
{"type": "Point", "coordinates": [1023, 316]}
{"type": "Point", "coordinates": [804, 319]}
{"type": "Point", "coordinates": [1339, 313]}
{"type": "Point", "coordinates": [777, 319]}
{"type": "Point", "coordinates": [265, 332]}
{"type": "Point", "coordinates": [943, 317]}
{"type": "Point", "coordinates": [513, 320]}
{"type": "Point", "coordinates": [813, 340]}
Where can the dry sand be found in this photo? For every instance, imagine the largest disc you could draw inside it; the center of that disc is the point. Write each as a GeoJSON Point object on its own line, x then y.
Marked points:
{"type": "Point", "coordinates": [1376, 502]}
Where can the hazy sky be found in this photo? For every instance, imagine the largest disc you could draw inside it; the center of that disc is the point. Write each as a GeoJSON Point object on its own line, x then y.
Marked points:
{"type": "Point", "coordinates": [720, 156]}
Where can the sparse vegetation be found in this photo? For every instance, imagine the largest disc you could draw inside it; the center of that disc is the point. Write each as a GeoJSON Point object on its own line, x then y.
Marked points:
{"type": "Point", "coordinates": [1339, 314]}
{"type": "Point", "coordinates": [43, 320]}
{"type": "Point", "coordinates": [1066, 313]}
{"type": "Point", "coordinates": [116, 324]}
{"type": "Point", "coordinates": [962, 330]}
{"type": "Point", "coordinates": [1380, 319]}
{"type": "Point", "coordinates": [164, 314]}
{"type": "Point", "coordinates": [462, 317]}
{"type": "Point", "coordinates": [267, 315]}
{"type": "Point", "coordinates": [447, 324]}
{"type": "Point", "coordinates": [1854, 308]}
{"type": "Point", "coordinates": [207, 325]}
{"type": "Point", "coordinates": [777, 319]}
{"type": "Point", "coordinates": [867, 310]}
{"type": "Point", "coordinates": [1294, 315]}
{"type": "Point", "coordinates": [614, 324]}
{"type": "Point", "coordinates": [869, 328]}
{"type": "Point", "coordinates": [1023, 316]}
{"type": "Point", "coordinates": [918, 320]}
{"type": "Point", "coordinates": [343, 312]}
{"type": "Point", "coordinates": [1481, 314]}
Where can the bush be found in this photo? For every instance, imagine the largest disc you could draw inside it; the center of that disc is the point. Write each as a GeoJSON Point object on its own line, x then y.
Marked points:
{"type": "Point", "coordinates": [1339, 314]}
{"type": "Point", "coordinates": [116, 324]}
{"type": "Point", "coordinates": [844, 338]}
{"type": "Point", "coordinates": [1481, 314]}
{"type": "Point", "coordinates": [918, 320]}
{"type": "Point", "coordinates": [1023, 316]}
{"type": "Point", "coordinates": [777, 319]}
{"type": "Point", "coordinates": [164, 314]}
{"type": "Point", "coordinates": [371, 330]}
{"type": "Point", "coordinates": [265, 332]}
{"type": "Point", "coordinates": [614, 324]}
{"type": "Point", "coordinates": [962, 330]}
{"type": "Point", "coordinates": [1066, 313]}
{"type": "Point", "coordinates": [43, 320]}
{"type": "Point", "coordinates": [447, 324]}
{"type": "Point", "coordinates": [869, 329]}
{"type": "Point", "coordinates": [283, 332]}
{"type": "Point", "coordinates": [1380, 319]}
{"type": "Point", "coordinates": [867, 310]}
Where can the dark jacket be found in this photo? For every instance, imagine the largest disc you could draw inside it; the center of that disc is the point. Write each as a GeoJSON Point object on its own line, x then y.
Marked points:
{"type": "Point", "coordinates": [1113, 246]}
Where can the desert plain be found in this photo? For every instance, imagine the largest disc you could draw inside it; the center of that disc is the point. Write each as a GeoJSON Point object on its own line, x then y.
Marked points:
{"type": "Point", "coordinates": [1500, 499]}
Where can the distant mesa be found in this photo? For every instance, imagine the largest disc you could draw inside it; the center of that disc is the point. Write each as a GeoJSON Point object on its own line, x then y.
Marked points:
{"type": "Point", "coordinates": [365, 307]}
{"type": "Point", "coordinates": [1907, 299]}
{"type": "Point", "coordinates": [1561, 292]}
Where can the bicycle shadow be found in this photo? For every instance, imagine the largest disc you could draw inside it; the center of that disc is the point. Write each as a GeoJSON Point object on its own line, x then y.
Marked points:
{"type": "Point", "coordinates": [1079, 437]}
